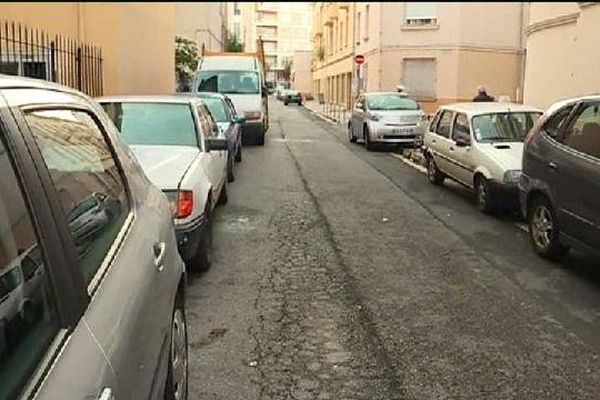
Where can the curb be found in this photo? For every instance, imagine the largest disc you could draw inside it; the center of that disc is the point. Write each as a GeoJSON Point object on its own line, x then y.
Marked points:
{"type": "Point", "coordinates": [324, 117]}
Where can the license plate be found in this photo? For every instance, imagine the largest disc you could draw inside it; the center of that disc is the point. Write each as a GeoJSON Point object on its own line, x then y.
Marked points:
{"type": "Point", "coordinates": [402, 131]}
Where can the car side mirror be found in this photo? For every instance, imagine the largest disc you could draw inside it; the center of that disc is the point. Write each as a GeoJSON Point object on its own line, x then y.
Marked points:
{"type": "Point", "coordinates": [462, 141]}
{"type": "Point", "coordinates": [215, 144]}
{"type": "Point", "coordinates": [239, 120]}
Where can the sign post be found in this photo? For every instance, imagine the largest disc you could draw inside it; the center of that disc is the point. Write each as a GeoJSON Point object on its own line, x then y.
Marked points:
{"type": "Point", "coordinates": [359, 59]}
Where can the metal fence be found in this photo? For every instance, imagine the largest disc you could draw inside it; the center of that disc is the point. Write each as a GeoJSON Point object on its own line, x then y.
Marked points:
{"type": "Point", "coordinates": [34, 53]}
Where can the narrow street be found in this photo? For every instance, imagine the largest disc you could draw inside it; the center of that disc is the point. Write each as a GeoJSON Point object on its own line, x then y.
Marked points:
{"type": "Point", "coordinates": [341, 274]}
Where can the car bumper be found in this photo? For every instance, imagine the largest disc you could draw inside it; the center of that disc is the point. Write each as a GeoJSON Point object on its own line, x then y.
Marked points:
{"type": "Point", "coordinates": [505, 193]}
{"type": "Point", "coordinates": [399, 135]}
{"type": "Point", "coordinates": [189, 236]}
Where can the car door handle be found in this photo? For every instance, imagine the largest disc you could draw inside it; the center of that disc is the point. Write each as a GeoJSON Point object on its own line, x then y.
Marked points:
{"type": "Point", "coordinates": [451, 148]}
{"type": "Point", "coordinates": [433, 141]}
{"type": "Point", "coordinates": [552, 165]}
{"type": "Point", "coordinates": [106, 394]}
{"type": "Point", "coordinates": [159, 253]}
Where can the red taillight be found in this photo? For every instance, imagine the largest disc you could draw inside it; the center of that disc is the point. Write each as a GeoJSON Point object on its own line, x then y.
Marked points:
{"type": "Point", "coordinates": [185, 204]}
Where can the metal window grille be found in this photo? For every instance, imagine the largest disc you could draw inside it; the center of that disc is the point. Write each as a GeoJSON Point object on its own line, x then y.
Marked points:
{"type": "Point", "coordinates": [34, 53]}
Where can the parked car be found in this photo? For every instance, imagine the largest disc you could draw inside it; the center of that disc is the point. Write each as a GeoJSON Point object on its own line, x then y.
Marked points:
{"type": "Point", "coordinates": [182, 151]}
{"type": "Point", "coordinates": [385, 118]}
{"type": "Point", "coordinates": [279, 91]}
{"type": "Point", "coordinates": [241, 79]}
{"type": "Point", "coordinates": [480, 145]}
{"type": "Point", "coordinates": [292, 96]}
{"type": "Point", "coordinates": [106, 324]}
{"type": "Point", "coordinates": [560, 183]}
{"type": "Point", "coordinates": [229, 122]}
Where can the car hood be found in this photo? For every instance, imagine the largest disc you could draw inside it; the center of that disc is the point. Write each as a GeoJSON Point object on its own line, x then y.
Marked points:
{"type": "Point", "coordinates": [402, 117]}
{"type": "Point", "coordinates": [246, 102]}
{"type": "Point", "coordinates": [165, 165]}
{"type": "Point", "coordinates": [507, 154]}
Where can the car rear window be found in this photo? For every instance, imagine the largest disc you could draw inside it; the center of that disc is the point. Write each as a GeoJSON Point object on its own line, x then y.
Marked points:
{"type": "Point", "coordinates": [384, 102]}
{"type": "Point", "coordinates": [504, 127]}
{"type": "Point", "coordinates": [161, 124]}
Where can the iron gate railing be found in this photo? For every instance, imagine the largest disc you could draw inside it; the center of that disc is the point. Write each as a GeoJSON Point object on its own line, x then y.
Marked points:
{"type": "Point", "coordinates": [34, 53]}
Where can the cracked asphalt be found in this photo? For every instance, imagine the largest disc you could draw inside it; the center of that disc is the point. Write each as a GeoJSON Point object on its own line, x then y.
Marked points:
{"type": "Point", "coordinates": [337, 277]}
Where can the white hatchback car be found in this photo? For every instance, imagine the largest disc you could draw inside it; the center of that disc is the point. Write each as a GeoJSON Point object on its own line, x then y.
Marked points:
{"type": "Point", "coordinates": [480, 145]}
{"type": "Point", "coordinates": [183, 152]}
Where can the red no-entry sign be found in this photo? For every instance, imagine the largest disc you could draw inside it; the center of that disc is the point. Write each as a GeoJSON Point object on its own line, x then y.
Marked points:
{"type": "Point", "coordinates": [359, 59]}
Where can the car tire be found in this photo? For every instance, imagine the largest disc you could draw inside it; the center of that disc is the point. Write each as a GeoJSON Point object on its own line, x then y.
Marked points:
{"type": "Point", "coordinates": [203, 258]}
{"type": "Point", "coordinates": [261, 139]}
{"type": "Point", "coordinates": [351, 136]}
{"type": "Point", "coordinates": [367, 139]}
{"type": "Point", "coordinates": [484, 197]}
{"type": "Point", "coordinates": [435, 176]}
{"type": "Point", "coordinates": [285, 103]}
{"type": "Point", "coordinates": [223, 196]}
{"type": "Point", "coordinates": [544, 233]}
{"type": "Point", "coordinates": [238, 155]}
{"type": "Point", "coordinates": [178, 367]}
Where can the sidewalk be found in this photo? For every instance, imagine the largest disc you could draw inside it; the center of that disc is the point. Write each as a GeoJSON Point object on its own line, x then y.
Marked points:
{"type": "Point", "coordinates": [332, 113]}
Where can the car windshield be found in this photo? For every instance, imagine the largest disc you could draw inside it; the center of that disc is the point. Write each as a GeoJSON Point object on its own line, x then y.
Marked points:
{"type": "Point", "coordinates": [232, 82]}
{"type": "Point", "coordinates": [217, 108]}
{"type": "Point", "coordinates": [385, 102]}
{"type": "Point", "coordinates": [161, 124]}
{"type": "Point", "coordinates": [503, 127]}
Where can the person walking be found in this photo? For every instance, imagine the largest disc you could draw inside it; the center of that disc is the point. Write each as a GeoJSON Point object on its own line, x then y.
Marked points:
{"type": "Point", "coordinates": [482, 95]}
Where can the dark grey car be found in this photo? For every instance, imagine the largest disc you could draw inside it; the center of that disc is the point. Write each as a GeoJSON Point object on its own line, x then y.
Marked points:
{"type": "Point", "coordinates": [560, 182]}
{"type": "Point", "coordinates": [104, 323]}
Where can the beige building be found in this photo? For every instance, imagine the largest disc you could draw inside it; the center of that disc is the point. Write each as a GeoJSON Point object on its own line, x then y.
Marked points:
{"type": "Point", "coordinates": [285, 27]}
{"type": "Point", "coordinates": [301, 73]}
{"type": "Point", "coordinates": [204, 23]}
{"type": "Point", "coordinates": [333, 52]}
{"type": "Point", "coordinates": [136, 38]}
{"type": "Point", "coordinates": [562, 58]}
{"type": "Point", "coordinates": [441, 52]}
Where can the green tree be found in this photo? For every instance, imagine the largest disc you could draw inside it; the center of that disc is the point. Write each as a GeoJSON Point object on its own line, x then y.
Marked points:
{"type": "Point", "coordinates": [186, 61]}
{"type": "Point", "coordinates": [233, 44]}
{"type": "Point", "coordinates": [287, 68]}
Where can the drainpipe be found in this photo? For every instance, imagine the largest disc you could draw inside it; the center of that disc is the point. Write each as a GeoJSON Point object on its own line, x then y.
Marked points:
{"type": "Point", "coordinates": [80, 22]}
{"type": "Point", "coordinates": [522, 51]}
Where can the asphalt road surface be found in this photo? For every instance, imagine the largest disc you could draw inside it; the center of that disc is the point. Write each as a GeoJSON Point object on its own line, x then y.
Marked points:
{"type": "Point", "coordinates": [342, 274]}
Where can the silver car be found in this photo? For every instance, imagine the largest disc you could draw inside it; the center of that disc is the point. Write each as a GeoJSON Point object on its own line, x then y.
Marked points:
{"type": "Point", "coordinates": [105, 323]}
{"type": "Point", "coordinates": [386, 118]}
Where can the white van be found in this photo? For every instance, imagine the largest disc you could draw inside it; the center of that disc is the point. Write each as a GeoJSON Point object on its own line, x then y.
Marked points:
{"type": "Point", "coordinates": [241, 78]}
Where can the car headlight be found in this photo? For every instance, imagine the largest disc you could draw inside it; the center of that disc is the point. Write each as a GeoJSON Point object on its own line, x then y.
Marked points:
{"type": "Point", "coordinates": [512, 176]}
{"type": "Point", "coordinates": [252, 114]}
{"type": "Point", "coordinates": [373, 117]}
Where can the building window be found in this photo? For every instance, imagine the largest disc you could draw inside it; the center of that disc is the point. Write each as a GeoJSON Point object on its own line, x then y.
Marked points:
{"type": "Point", "coordinates": [236, 29]}
{"type": "Point", "coordinates": [366, 37]}
{"type": "Point", "coordinates": [419, 14]}
{"type": "Point", "coordinates": [236, 8]}
{"type": "Point", "coordinates": [419, 77]}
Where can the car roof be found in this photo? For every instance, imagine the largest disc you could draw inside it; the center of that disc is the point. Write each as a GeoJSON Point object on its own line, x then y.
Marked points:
{"type": "Point", "coordinates": [563, 102]}
{"type": "Point", "coordinates": [204, 95]}
{"type": "Point", "coordinates": [478, 108]}
{"type": "Point", "coordinates": [228, 63]}
{"type": "Point", "coordinates": [173, 99]}
{"type": "Point", "coordinates": [10, 81]}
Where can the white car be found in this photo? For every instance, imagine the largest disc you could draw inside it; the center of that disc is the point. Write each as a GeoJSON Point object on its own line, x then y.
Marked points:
{"type": "Point", "coordinates": [183, 152]}
{"type": "Point", "coordinates": [480, 145]}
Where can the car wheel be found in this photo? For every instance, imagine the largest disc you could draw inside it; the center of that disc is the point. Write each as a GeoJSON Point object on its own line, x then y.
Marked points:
{"type": "Point", "coordinates": [351, 136]}
{"type": "Point", "coordinates": [176, 387]}
{"type": "Point", "coordinates": [367, 139]}
{"type": "Point", "coordinates": [238, 155]}
{"type": "Point", "coordinates": [434, 175]}
{"type": "Point", "coordinates": [223, 197]}
{"type": "Point", "coordinates": [203, 258]}
{"type": "Point", "coordinates": [485, 200]}
{"type": "Point", "coordinates": [285, 103]}
{"type": "Point", "coordinates": [543, 229]}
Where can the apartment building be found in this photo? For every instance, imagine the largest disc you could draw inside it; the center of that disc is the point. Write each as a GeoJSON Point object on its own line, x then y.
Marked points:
{"type": "Point", "coordinates": [441, 52]}
{"type": "Point", "coordinates": [333, 52]}
{"type": "Point", "coordinates": [135, 40]}
{"type": "Point", "coordinates": [204, 23]}
{"type": "Point", "coordinates": [284, 28]}
{"type": "Point", "coordinates": [562, 60]}
{"type": "Point", "coordinates": [301, 78]}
